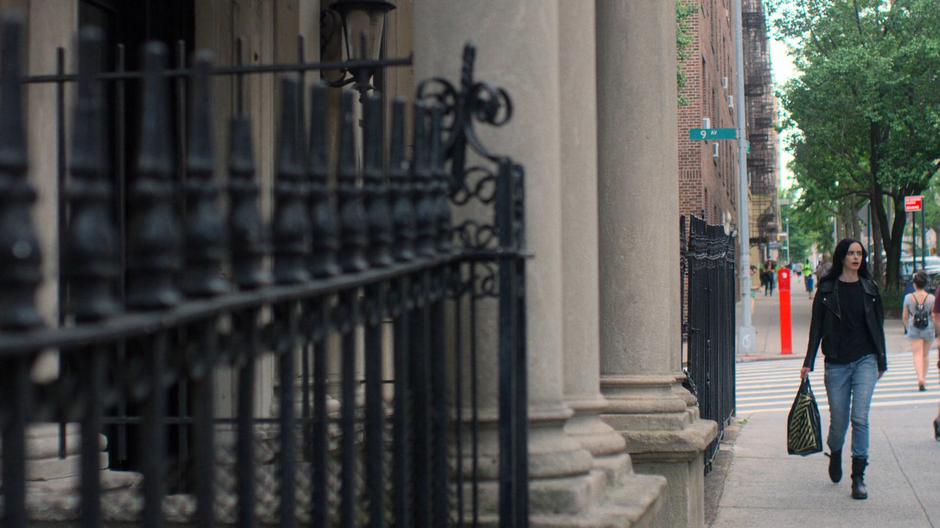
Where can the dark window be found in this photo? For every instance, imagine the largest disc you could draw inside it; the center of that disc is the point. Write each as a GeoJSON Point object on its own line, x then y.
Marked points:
{"type": "Point", "coordinates": [132, 23]}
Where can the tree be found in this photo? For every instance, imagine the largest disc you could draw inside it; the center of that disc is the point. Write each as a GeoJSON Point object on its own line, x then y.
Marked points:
{"type": "Point", "coordinates": [809, 225]}
{"type": "Point", "coordinates": [685, 10]}
{"type": "Point", "coordinates": [867, 105]}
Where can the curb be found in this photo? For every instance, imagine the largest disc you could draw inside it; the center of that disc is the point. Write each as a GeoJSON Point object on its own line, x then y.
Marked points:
{"type": "Point", "coordinates": [749, 359]}
{"type": "Point", "coordinates": [721, 466]}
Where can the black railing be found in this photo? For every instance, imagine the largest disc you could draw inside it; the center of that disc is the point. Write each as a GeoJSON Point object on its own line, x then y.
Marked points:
{"type": "Point", "coordinates": [364, 262]}
{"type": "Point", "coordinates": [708, 259]}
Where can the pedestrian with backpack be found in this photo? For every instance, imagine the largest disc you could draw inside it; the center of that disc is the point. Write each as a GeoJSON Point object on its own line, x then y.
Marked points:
{"type": "Point", "coordinates": [919, 326]}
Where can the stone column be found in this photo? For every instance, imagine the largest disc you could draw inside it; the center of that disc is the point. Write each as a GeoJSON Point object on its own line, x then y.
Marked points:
{"type": "Point", "coordinates": [517, 48]}
{"type": "Point", "coordinates": [580, 308]}
{"type": "Point", "coordinates": [639, 251]}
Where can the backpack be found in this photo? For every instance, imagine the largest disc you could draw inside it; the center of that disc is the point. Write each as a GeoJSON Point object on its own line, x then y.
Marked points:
{"type": "Point", "coordinates": [921, 315]}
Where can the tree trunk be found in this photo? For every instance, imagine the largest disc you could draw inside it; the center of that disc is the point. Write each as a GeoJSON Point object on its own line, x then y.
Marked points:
{"type": "Point", "coordinates": [893, 244]}
{"type": "Point", "coordinates": [877, 264]}
{"type": "Point", "coordinates": [850, 221]}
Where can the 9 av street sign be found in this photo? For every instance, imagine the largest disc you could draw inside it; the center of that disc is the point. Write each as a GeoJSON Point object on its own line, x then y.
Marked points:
{"type": "Point", "coordinates": [713, 134]}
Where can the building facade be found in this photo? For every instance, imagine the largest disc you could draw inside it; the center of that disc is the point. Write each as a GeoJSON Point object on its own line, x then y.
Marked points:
{"type": "Point", "coordinates": [708, 169]}
{"type": "Point", "coordinates": [613, 437]}
{"type": "Point", "coordinates": [762, 160]}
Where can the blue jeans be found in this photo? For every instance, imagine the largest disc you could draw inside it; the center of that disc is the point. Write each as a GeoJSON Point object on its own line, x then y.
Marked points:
{"type": "Point", "coordinates": [849, 388]}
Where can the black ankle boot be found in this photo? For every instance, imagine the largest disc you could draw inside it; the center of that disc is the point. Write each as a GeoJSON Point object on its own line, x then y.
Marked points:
{"type": "Point", "coordinates": [859, 491]}
{"type": "Point", "coordinates": [835, 466]}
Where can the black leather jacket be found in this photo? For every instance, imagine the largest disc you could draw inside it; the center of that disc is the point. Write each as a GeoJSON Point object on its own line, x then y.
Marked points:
{"type": "Point", "coordinates": [826, 311]}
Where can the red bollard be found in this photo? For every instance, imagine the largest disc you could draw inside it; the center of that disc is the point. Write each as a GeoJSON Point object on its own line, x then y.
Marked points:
{"type": "Point", "coordinates": [786, 324]}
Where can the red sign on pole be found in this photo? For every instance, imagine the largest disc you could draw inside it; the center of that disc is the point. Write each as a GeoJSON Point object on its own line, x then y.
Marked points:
{"type": "Point", "coordinates": [786, 323]}
{"type": "Point", "coordinates": [913, 203]}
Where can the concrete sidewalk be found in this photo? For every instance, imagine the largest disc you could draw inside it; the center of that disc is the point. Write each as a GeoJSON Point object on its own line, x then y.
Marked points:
{"type": "Point", "coordinates": [755, 483]}
{"type": "Point", "coordinates": [767, 487]}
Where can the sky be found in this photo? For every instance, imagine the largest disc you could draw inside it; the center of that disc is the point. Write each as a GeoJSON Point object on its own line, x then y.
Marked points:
{"type": "Point", "coordinates": [783, 70]}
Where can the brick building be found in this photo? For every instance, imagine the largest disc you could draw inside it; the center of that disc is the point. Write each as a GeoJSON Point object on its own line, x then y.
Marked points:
{"type": "Point", "coordinates": [708, 169]}
{"type": "Point", "coordinates": [762, 161]}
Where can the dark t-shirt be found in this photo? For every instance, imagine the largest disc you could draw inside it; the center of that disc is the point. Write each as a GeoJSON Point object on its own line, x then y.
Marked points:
{"type": "Point", "coordinates": [854, 339]}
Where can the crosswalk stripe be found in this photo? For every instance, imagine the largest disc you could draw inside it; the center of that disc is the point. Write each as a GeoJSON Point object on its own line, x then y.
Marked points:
{"type": "Point", "coordinates": [874, 405]}
{"type": "Point", "coordinates": [883, 385]}
{"type": "Point", "coordinates": [770, 386]}
{"type": "Point", "coordinates": [764, 379]}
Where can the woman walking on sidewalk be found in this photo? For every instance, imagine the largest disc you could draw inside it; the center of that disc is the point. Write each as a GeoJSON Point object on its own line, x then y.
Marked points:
{"type": "Point", "coordinates": [918, 325]}
{"type": "Point", "coordinates": [848, 321]}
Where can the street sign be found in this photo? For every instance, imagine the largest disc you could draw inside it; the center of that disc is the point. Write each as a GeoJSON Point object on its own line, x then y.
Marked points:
{"type": "Point", "coordinates": [913, 203]}
{"type": "Point", "coordinates": [713, 134]}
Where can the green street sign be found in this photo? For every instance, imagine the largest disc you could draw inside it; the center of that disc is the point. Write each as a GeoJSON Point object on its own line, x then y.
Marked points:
{"type": "Point", "coordinates": [713, 134]}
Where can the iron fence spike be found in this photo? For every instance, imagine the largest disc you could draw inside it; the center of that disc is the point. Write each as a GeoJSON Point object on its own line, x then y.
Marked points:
{"type": "Point", "coordinates": [375, 185]}
{"type": "Point", "coordinates": [204, 227]}
{"type": "Point", "coordinates": [154, 239]}
{"type": "Point", "coordinates": [291, 223]}
{"type": "Point", "coordinates": [403, 214]}
{"type": "Point", "coordinates": [352, 214]}
{"type": "Point", "coordinates": [324, 224]}
{"type": "Point", "coordinates": [91, 243]}
{"type": "Point", "coordinates": [422, 184]}
{"type": "Point", "coordinates": [20, 254]}
{"type": "Point", "coordinates": [247, 248]}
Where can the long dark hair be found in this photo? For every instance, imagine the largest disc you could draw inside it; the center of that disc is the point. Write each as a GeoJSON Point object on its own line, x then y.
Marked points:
{"type": "Point", "coordinates": [838, 259]}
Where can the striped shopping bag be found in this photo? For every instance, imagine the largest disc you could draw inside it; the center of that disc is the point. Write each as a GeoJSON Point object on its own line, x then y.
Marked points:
{"type": "Point", "coordinates": [804, 429]}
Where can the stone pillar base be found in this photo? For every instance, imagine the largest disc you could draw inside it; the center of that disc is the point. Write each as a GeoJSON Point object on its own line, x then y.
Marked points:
{"type": "Point", "coordinates": [589, 501]}
{"type": "Point", "coordinates": [53, 484]}
{"type": "Point", "coordinates": [685, 496]}
{"type": "Point", "coordinates": [604, 443]}
{"type": "Point", "coordinates": [664, 436]}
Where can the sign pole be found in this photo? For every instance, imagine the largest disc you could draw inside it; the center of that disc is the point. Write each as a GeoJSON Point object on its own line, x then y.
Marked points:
{"type": "Point", "coordinates": [923, 238]}
{"type": "Point", "coordinates": [914, 241]}
{"type": "Point", "coordinates": [746, 334]}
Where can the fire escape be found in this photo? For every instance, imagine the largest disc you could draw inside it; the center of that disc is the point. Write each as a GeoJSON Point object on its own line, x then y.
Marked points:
{"type": "Point", "coordinates": [761, 134]}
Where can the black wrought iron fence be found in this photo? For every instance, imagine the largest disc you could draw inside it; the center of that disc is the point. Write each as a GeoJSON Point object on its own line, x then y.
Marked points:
{"type": "Point", "coordinates": [708, 257]}
{"type": "Point", "coordinates": [375, 258]}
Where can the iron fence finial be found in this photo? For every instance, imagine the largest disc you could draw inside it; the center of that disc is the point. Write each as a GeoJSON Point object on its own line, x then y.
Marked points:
{"type": "Point", "coordinates": [403, 213]}
{"type": "Point", "coordinates": [325, 225]}
{"type": "Point", "coordinates": [20, 257]}
{"type": "Point", "coordinates": [374, 185]}
{"type": "Point", "coordinates": [352, 214]}
{"type": "Point", "coordinates": [421, 183]}
{"type": "Point", "coordinates": [291, 224]}
{"type": "Point", "coordinates": [204, 228]}
{"type": "Point", "coordinates": [154, 240]}
{"type": "Point", "coordinates": [91, 243]}
{"type": "Point", "coordinates": [247, 247]}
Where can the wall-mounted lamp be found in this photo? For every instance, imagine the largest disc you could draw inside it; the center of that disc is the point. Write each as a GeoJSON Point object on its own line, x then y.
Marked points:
{"type": "Point", "coordinates": [355, 27]}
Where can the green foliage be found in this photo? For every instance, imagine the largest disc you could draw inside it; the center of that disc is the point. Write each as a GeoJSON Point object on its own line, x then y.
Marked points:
{"type": "Point", "coordinates": [800, 230]}
{"type": "Point", "coordinates": [685, 10]}
{"type": "Point", "coordinates": [893, 300]}
{"type": "Point", "coordinates": [932, 204]}
{"type": "Point", "coordinates": [810, 224]}
{"type": "Point", "coordinates": [866, 105]}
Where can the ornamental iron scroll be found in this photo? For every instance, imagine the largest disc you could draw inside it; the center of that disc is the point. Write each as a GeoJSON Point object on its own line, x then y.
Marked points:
{"type": "Point", "coordinates": [491, 189]}
{"type": "Point", "coordinates": [461, 109]}
{"type": "Point", "coordinates": [364, 260]}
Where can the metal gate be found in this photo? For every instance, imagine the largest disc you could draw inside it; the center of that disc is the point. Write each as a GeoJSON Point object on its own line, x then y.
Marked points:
{"type": "Point", "coordinates": [385, 261]}
{"type": "Point", "coordinates": [708, 257]}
